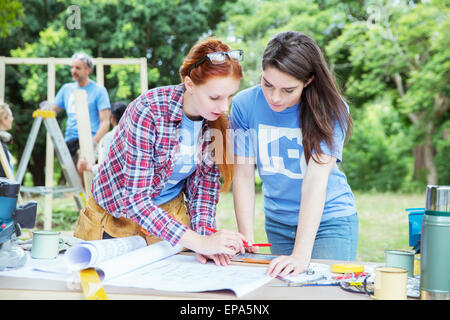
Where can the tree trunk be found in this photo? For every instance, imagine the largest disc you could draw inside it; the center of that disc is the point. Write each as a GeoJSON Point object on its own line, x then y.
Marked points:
{"type": "Point", "coordinates": [428, 155]}
{"type": "Point", "coordinates": [424, 158]}
{"type": "Point", "coordinates": [432, 177]}
{"type": "Point", "coordinates": [423, 155]}
{"type": "Point", "coordinates": [419, 162]}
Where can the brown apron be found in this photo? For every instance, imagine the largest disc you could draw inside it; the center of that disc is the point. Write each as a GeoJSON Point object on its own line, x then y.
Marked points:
{"type": "Point", "coordinates": [94, 221]}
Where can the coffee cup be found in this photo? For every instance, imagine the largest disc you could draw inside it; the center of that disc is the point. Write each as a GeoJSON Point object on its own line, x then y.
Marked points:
{"type": "Point", "coordinates": [390, 283]}
{"type": "Point", "coordinates": [400, 259]}
{"type": "Point", "coordinates": [46, 244]}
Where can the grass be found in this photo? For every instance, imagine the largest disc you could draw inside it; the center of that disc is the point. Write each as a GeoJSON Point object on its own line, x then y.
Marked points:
{"type": "Point", "coordinates": [383, 221]}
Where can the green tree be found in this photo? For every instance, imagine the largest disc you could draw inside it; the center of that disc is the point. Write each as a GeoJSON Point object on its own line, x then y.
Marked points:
{"type": "Point", "coordinates": [249, 25]}
{"type": "Point", "coordinates": [396, 52]}
{"type": "Point", "coordinates": [378, 142]}
{"type": "Point", "coordinates": [402, 50]}
{"type": "Point", "coordinates": [161, 31]}
{"type": "Point", "coordinates": [10, 13]}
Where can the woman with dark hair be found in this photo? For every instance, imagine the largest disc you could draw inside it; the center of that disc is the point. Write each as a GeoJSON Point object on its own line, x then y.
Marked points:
{"type": "Point", "coordinates": [160, 179]}
{"type": "Point", "coordinates": [293, 126]}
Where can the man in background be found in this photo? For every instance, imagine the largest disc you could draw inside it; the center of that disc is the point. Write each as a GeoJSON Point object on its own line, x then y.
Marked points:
{"type": "Point", "coordinates": [98, 102]}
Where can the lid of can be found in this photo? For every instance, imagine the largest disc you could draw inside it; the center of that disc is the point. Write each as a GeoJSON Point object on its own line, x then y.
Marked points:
{"type": "Point", "coordinates": [347, 268]}
{"type": "Point", "coordinates": [437, 213]}
{"type": "Point", "coordinates": [400, 252]}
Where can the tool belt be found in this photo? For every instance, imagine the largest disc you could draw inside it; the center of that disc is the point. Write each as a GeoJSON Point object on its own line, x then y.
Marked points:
{"type": "Point", "coordinates": [94, 221]}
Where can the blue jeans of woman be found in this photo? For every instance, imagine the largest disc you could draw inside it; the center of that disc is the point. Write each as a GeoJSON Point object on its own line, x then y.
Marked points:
{"type": "Point", "coordinates": [336, 238]}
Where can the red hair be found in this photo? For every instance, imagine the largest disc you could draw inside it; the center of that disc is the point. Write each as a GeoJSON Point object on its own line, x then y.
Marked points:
{"type": "Point", "coordinates": [201, 74]}
{"type": "Point", "coordinates": [206, 69]}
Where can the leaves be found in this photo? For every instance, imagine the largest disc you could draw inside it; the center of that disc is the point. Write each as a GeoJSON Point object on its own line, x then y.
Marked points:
{"type": "Point", "coordinates": [10, 13]}
{"type": "Point", "coordinates": [391, 59]}
{"type": "Point", "coordinates": [376, 49]}
{"type": "Point", "coordinates": [161, 31]}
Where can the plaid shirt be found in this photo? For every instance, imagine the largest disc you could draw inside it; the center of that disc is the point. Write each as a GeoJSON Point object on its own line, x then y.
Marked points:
{"type": "Point", "coordinates": [141, 160]}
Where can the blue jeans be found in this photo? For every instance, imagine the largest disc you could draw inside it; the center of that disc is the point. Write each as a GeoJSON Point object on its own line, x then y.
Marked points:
{"type": "Point", "coordinates": [336, 239]}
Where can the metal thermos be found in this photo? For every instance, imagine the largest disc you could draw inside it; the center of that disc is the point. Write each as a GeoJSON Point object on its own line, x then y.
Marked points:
{"type": "Point", "coordinates": [435, 245]}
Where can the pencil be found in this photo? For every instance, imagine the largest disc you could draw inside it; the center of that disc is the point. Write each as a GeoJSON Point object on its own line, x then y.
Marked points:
{"type": "Point", "coordinates": [210, 229]}
{"type": "Point", "coordinates": [245, 242]}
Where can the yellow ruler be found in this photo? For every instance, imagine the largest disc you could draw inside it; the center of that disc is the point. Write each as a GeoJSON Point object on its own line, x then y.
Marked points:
{"type": "Point", "coordinates": [92, 285]}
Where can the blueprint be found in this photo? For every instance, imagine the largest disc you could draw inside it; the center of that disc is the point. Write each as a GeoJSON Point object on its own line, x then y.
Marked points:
{"type": "Point", "coordinates": [185, 274]}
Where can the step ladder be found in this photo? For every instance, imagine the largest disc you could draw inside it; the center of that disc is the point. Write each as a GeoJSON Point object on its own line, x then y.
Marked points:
{"type": "Point", "coordinates": [62, 152]}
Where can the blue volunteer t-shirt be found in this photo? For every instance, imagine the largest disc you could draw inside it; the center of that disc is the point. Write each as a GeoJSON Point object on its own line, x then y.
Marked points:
{"type": "Point", "coordinates": [275, 139]}
{"type": "Point", "coordinates": [186, 162]}
{"type": "Point", "coordinates": [98, 99]}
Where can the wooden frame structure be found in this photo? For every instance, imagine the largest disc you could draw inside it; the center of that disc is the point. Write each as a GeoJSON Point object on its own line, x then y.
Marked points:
{"type": "Point", "coordinates": [51, 62]}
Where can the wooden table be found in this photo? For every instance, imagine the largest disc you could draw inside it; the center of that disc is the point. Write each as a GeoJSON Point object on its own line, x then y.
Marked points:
{"type": "Point", "coordinates": [13, 288]}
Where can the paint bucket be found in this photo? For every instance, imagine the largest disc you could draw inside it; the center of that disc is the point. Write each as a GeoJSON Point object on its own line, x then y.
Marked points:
{"type": "Point", "coordinates": [390, 283]}
{"type": "Point", "coordinates": [415, 217]}
{"type": "Point", "coordinates": [400, 259]}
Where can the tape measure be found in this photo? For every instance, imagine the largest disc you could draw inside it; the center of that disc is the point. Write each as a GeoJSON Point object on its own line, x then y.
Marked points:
{"type": "Point", "coordinates": [347, 268]}
{"type": "Point", "coordinates": [92, 285]}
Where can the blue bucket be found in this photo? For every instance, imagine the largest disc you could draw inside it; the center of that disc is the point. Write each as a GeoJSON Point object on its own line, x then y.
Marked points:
{"type": "Point", "coordinates": [415, 217]}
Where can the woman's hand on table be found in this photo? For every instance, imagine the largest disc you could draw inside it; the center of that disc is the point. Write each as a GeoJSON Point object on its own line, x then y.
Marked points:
{"type": "Point", "coordinates": [287, 265]}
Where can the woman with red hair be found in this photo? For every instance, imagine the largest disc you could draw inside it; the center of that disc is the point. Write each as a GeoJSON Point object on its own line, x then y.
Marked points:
{"type": "Point", "coordinates": [161, 177]}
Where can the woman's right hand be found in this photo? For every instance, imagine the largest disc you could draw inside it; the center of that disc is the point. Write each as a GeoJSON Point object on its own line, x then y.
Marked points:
{"type": "Point", "coordinates": [225, 242]}
{"type": "Point", "coordinates": [219, 259]}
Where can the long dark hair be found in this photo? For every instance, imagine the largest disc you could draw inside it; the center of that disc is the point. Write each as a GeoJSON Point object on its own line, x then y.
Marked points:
{"type": "Point", "coordinates": [321, 101]}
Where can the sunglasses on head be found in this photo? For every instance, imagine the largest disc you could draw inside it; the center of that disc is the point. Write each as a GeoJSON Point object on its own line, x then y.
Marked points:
{"type": "Point", "coordinates": [219, 57]}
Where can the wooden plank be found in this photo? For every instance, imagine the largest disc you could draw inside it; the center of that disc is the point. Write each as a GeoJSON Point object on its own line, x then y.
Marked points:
{"type": "Point", "coordinates": [29, 288]}
{"type": "Point", "coordinates": [5, 164]}
{"type": "Point", "coordinates": [49, 167]}
{"type": "Point", "coordinates": [44, 61]}
{"type": "Point", "coordinates": [68, 61]}
{"type": "Point", "coordinates": [143, 74]}
{"type": "Point", "coordinates": [100, 73]}
{"type": "Point", "coordinates": [2, 79]}
{"type": "Point", "coordinates": [84, 135]}
{"type": "Point", "coordinates": [50, 150]}
{"type": "Point", "coordinates": [3, 157]}
{"type": "Point", "coordinates": [112, 61]}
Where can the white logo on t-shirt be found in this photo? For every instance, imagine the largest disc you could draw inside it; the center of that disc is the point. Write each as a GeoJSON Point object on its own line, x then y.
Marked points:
{"type": "Point", "coordinates": [272, 158]}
